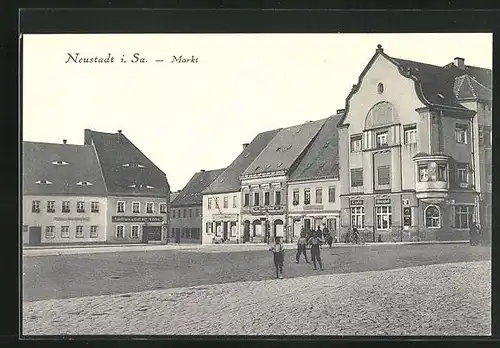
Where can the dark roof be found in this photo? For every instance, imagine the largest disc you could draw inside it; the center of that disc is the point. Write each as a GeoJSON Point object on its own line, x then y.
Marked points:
{"type": "Point", "coordinates": [285, 148]}
{"type": "Point", "coordinates": [81, 166]}
{"type": "Point", "coordinates": [229, 180]}
{"type": "Point", "coordinates": [173, 195]}
{"type": "Point", "coordinates": [468, 88]}
{"type": "Point", "coordinates": [321, 159]}
{"type": "Point", "coordinates": [191, 193]}
{"type": "Point", "coordinates": [123, 165]}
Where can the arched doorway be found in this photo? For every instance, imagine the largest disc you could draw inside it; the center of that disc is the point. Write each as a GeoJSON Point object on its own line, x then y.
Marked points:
{"type": "Point", "coordinates": [246, 231]}
{"type": "Point", "coordinates": [278, 228]}
{"type": "Point", "coordinates": [257, 228]}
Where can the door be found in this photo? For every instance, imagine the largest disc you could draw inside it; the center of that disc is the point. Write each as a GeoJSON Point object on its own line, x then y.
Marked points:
{"type": "Point", "coordinates": [307, 225]}
{"type": "Point", "coordinates": [177, 235]}
{"type": "Point", "coordinates": [246, 231]}
{"type": "Point", "coordinates": [35, 235]}
{"type": "Point", "coordinates": [225, 235]}
{"type": "Point", "coordinates": [144, 235]}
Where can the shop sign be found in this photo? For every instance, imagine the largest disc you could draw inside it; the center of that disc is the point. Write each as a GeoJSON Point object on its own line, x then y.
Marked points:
{"type": "Point", "coordinates": [221, 217]}
{"type": "Point", "coordinates": [383, 201]}
{"type": "Point", "coordinates": [136, 219]}
{"type": "Point", "coordinates": [270, 209]}
{"type": "Point", "coordinates": [356, 202]}
{"type": "Point", "coordinates": [78, 218]}
{"type": "Point", "coordinates": [313, 207]}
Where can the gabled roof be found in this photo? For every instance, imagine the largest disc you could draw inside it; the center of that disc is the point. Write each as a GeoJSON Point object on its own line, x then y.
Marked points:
{"type": "Point", "coordinates": [466, 87]}
{"type": "Point", "coordinates": [125, 168]}
{"type": "Point", "coordinates": [283, 151]}
{"type": "Point", "coordinates": [321, 159]}
{"type": "Point", "coordinates": [191, 194]}
{"type": "Point", "coordinates": [173, 195]}
{"type": "Point", "coordinates": [229, 180]}
{"type": "Point", "coordinates": [77, 165]}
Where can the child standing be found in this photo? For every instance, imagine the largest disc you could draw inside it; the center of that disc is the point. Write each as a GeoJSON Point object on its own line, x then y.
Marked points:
{"type": "Point", "coordinates": [279, 254]}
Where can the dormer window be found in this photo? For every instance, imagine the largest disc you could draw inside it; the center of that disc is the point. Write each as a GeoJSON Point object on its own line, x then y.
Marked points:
{"type": "Point", "coordinates": [440, 96]}
{"type": "Point", "coordinates": [133, 165]}
{"type": "Point", "coordinates": [84, 183]}
{"type": "Point", "coordinates": [44, 182]}
{"type": "Point", "coordinates": [289, 147]}
{"type": "Point", "coordinates": [132, 186]}
{"type": "Point", "coordinates": [326, 144]}
{"type": "Point", "coordinates": [257, 168]}
{"type": "Point", "coordinates": [268, 166]}
{"type": "Point", "coordinates": [278, 148]}
{"type": "Point", "coordinates": [246, 154]}
{"type": "Point", "coordinates": [59, 163]}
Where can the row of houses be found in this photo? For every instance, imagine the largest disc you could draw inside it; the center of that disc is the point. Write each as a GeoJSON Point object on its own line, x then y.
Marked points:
{"type": "Point", "coordinates": [408, 158]}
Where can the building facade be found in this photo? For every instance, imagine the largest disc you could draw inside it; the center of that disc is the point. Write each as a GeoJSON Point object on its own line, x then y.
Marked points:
{"type": "Point", "coordinates": [264, 191]}
{"type": "Point", "coordinates": [222, 198]}
{"type": "Point", "coordinates": [313, 187]}
{"type": "Point", "coordinates": [412, 168]}
{"type": "Point", "coordinates": [186, 216]}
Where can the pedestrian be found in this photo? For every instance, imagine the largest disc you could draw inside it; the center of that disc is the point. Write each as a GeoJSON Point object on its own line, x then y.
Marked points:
{"type": "Point", "coordinates": [473, 234]}
{"type": "Point", "coordinates": [315, 241]}
{"type": "Point", "coordinates": [326, 232]}
{"type": "Point", "coordinates": [329, 240]}
{"type": "Point", "coordinates": [301, 247]}
{"type": "Point", "coordinates": [279, 254]}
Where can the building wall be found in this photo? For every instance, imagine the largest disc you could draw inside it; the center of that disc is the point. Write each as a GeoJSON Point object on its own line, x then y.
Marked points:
{"type": "Point", "coordinates": [185, 224]}
{"type": "Point", "coordinates": [215, 217]}
{"type": "Point", "coordinates": [128, 214]}
{"type": "Point", "coordinates": [71, 219]}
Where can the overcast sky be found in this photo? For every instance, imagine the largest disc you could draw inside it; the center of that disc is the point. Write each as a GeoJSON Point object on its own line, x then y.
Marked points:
{"type": "Point", "coordinates": [191, 116]}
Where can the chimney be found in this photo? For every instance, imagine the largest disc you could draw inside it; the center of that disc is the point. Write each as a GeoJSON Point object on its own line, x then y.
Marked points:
{"type": "Point", "coordinates": [64, 141]}
{"type": "Point", "coordinates": [87, 137]}
{"type": "Point", "coordinates": [340, 111]}
{"type": "Point", "coordinates": [119, 135]}
{"type": "Point", "coordinates": [245, 145]}
{"type": "Point", "coordinates": [202, 170]}
{"type": "Point", "coordinates": [459, 63]}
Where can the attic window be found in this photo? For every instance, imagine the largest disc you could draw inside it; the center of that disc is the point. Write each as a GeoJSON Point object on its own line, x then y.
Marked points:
{"type": "Point", "coordinates": [380, 88]}
{"type": "Point", "coordinates": [326, 144]}
{"type": "Point", "coordinates": [246, 154]}
{"type": "Point", "coordinates": [289, 147]}
{"type": "Point", "coordinates": [268, 166]}
{"type": "Point", "coordinates": [278, 148]}
{"type": "Point", "coordinates": [132, 186]}
{"type": "Point", "coordinates": [84, 183]}
{"type": "Point", "coordinates": [59, 163]}
{"type": "Point", "coordinates": [440, 96]}
{"type": "Point", "coordinates": [43, 182]}
{"type": "Point", "coordinates": [222, 180]}
{"type": "Point", "coordinates": [257, 168]}
{"type": "Point", "coordinates": [298, 130]}
{"type": "Point", "coordinates": [133, 165]}
{"type": "Point", "coordinates": [280, 164]}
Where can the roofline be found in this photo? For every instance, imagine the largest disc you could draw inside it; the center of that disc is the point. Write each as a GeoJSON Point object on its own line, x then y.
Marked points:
{"type": "Point", "coordinates": [138, 195]}
{"type": "Point", "coordinates": [318, 179]}
{"type": "Point", "coordinates": [186, 205]}
{"type": "Point", "coordinates": [98, 162]}
{"type": "Point", "coordinates": [220, 192]}
{"type": "Point", "coordinates": [142, 153]}
{"type": "Point", "coordinates": [48, 143]}
{"type": "Point", "coordinates": [66, 194]}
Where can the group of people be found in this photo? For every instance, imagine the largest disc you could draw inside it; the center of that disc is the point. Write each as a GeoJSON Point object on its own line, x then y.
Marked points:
{"type": "Point", "coordinates": [312, 240]}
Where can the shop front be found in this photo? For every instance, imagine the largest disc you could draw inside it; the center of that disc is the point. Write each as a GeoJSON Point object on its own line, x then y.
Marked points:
{"type": "Point", "coordinates": [132, 229]}
{"type": "Point", "coordinates": [226, 227]}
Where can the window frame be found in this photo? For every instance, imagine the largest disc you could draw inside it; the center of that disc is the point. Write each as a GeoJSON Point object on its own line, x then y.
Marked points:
{"type": "Point", "coordinates": [320, 196]}
{"type": "Point", "coordinates": [209, 203]}
{"type": "Point", "coordinates": [52, 232]}
{"type": "Point", "coordinates": [122, 230]}
{"type": "Point", "coordinates": [164, 206]}
{"type": "Point", "coordinates": [469, 214]}
{"type": "Point", "coordinates": [63, 233]}
{"type": "Point", "coordinates": [307, 196]}
{"type": "Point", "coordinates": [357, 214]}
{"type": "Point", "coordinates": [35, 206]}
{"type": "Point", "coordinates": [384, 167]}
{"type": "Point", "coordinates": [92, 235]}
{"type": "Point", "coordinates": [92, 206]}
{"type": "Point", "coordinates": [76, 232]}
{"type": "Point", "coordinates": [330, 190]}
{"type": "Point", "coordinates": [118, 211]}
{"type": "Point", "coordinates": [80, 210]}
{"type": "Point", "coordinates": [410, 134]}
{"type": "Point", "coordinates": [136, 203]}
{"type": "Point", "coordinates": [132, 231]}
{"type": "Point", "coordinates": [66, 207]}
{"type": "Point", "coordinates": [382, 211]}
{"type": "Point", "coordinates": [225, 202]}
{"type": "Point", "coordinates": [462, 168]}
{"type": "Point", "coordinates": [361, 174]}
{"type": "Point", "coordinates": [267, 198]}
{"type": "Point", "coordinates": [152, 205]}
{"type": "Point", "coordinates": [235, 199]}
{"type": "Point", "coordinates": [461, 132]}
{"type": "Point", "coordinates": [277, 194]}
{"type": "Point", "coordinates": [356, 143]}
{"type": "Point", "coordinates": [53, 204]}
{"type": "Point", "coordinates": [385, 135]}
{"type": "Point", "coordinates": [246, 199]}
{"type": "Point", "coordinates": [256, 198]}
{"type": "Point", "coordinates": [433, 218]}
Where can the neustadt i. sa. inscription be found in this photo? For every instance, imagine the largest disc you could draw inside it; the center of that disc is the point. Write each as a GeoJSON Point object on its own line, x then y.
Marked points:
{"type": "Point", "coordinates": [77, 58]}
{"type": "Point", "coordinates": [136, 219]}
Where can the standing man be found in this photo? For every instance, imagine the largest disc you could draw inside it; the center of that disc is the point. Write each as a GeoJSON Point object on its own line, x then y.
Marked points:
{"type": "Point", "coordinates": [278, 254]}
{"type": "Point", "coordinates": [315, 241]}
{"type": "Point", "coordinates": [473, 234]}
{"type": "Point", "coordinates": [301, 247]}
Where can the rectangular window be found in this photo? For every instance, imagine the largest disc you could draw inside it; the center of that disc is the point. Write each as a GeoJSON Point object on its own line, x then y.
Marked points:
{"type": "Point", "coordinates": [384, 217]}
{"type": "Point", "coordinates": [25, 228]}
{"type": "Point", "coordinates": [184, 213]}
{"type": "Point", "coordinates": [134, 233]}
{"type": "Point", "coordinates": [234, 202]}
{"type": "Point", "coordinates": [382, 139]}
{"type": "Point", "coordinates": [208, 228]}
{"type": "Point", "coordinates": [356, 143]}
{"type": "Point", "coordinates": [461, 133]}
{"type": "Point", "coordinates": [149, 207]}
{"type": "Point", "coordinates": [423, 172]}
{"type": "Point", "coordinates": [463, 216]}
{"type": "Point", "coordinates": [357, 177]}
{"type": "Point", "coordinates": [277, 198]}
{"type": "Point", "coordinates": [462, 173]}
{"type": "Point", "coordinates": [64, 231]}
{"type": "Point", "coordinates": [93, 231]}
{"type": "Point", "coordinates": [65, 207]}
{"type": "Point", "coordinates": [80, 207]}
{"type": "Point", "coordinates": [266, 198]}
{"type": "Point", "coordinates": [197, 212]}
{"type": "Point", "coordinates": [120, 207]}
{"type": "Point", "coordinates": [358, 217]}
{"type": "Point", "coordinates": [331, 194]}
{"type": "Point", "coordinates": [79, 232]}
{"type": "Point", "coordinates": [246, 199]}
{"type": "Point", "coordinates": [296, 197]}
{"type": "Point", "coordinates": [217, 205]}
{"type": "Point", "coordinates": [484, 136]}
{"type": "Point", "coordinates": [256, 198]}
{"type": "Point", "coordinates": [319, 195]}
{"type": "Point", "coordinates": [163, 208]}
{"type": "Point", "coordinates": [35, 206]}
{"type": "Point", "coordinates": [441, 173]}
{"type": "Point", "coordinates": [136, 207]}
{"type": "Point", "coordinates": [51, 206]}
{"type": "Point", "coordinates": [173, 213]}
{"type": "Point", "coordinates": [120, 231]}
{"type": "Point", "coordinates": [172, 232]}
{"type": "Point", "coordinates": [209, 204]}
{"type": "Point", "coordinates": [225, 202]}
{"type": "Point", "coordinates": [410, 135]}
{"type": "Point", "coordinates": [190, 212]}
{"type": "Point", "coordinates": [94, 207]}
{"type": "Point", "coordinates": [384, 175]}
{"type": "Point", "coordinates": [307, 196]}
{"type": "Point", "coordinates": [49, 232]}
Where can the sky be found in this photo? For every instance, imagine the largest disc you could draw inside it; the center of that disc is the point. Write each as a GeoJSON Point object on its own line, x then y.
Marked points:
{"type": "Point", "coordinates": [191, 116]}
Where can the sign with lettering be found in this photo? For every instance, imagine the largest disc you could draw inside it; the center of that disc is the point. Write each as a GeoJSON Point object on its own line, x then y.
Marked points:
{"type": "Point", "coordinates": [136, 219]}
{"type": "Point", "coordinates": [270, 209]}
{"type": "Point", "coordinates": [383, 201]}
{"type": "Point", "coordinates": [221, 217]}
{"type": "Point", "coordinates": [76, 218]}
{"type": "Point", "coordinates": [313, 207]}
{"type": "Point", "coordinates": [356, 202]}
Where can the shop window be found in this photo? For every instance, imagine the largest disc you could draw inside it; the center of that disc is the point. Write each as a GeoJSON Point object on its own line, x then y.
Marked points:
{"type": "Point", "coordinates": [49, 232]}
{"type": "Point", "coordinates": [65, 207]}
{"type": "Point", "coordinates": [136, 207]}
{"type": "Point", "coordinates": [331, 194]}
{"type": "Point", "coordinates": [319, 195]}
{"type": "Point", "coordinates": [463, 216]}
{"type": "Point", "coordinates": [120, 207]}
{"type": "Point", "coordinates": [358, 217]}
{"type": "Point", "coordinates": [307, 196]}
{"type": "Point", "coordinates": [384, 175]}
{"type": "Point", "coordinates": [384, 217]}
{"type": "Point", "coordinates": [79, 232]}
{"type": "Point", "coordinates": [94, 207]}
{"type": "Point", "coordinates": [296, 197]}
{"type": "Point", "coordinates": [93, 231]}
{"type": "Point", "coordinates": [64, 231]}
{"type": "Point", "coordinates": [432, 216]}
{"type": "Point", "coordinates": [357, 177]}
{"type": "Point", "coordinates": [356, 143]}
{"type": "Point", "coordinates": [135, 232]}
{"type": "Point", "coordinates": [35, 206]}
{"type": "Point", "coordinates": [461, 133]}
{"type": "Point", "coordinates": [120, 231]}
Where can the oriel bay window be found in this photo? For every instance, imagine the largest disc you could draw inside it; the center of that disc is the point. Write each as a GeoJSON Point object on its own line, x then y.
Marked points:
{"type": "Point", "coordinates": [384, 217]}
{"type": "Point", "coordinates": [432, 217]}
{"type": "Point", "coordinates": [463, 216]}
{"type": "Point", "coordinates": [432, 171]}
{"type": "Point", "coordinates": [358, 217]}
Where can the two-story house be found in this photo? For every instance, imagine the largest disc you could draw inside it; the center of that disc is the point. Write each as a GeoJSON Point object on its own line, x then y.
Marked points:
{"type": "Point", "coordinates": [222, 198]}
{"type": "Point", "coordinates": [186, 216]}
{"type": "Point", "coordinates": [264, 211]}
{"type": "Point", "coordinates": [411, 164]}
{"type": "Point", "coordinates": [313, 186]}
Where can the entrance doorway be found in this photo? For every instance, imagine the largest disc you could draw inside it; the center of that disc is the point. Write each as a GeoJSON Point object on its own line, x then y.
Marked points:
{"type": "Point", "coordinates": [225, 231]}
{"type": "Point", "coordinates": [35, 235]}
{"type": "Point", "coordinates": [307, 225]}
{"type": "Point", "coordinates": [246, 231]}
{"type": "Point", "coordinates": [278, 229]}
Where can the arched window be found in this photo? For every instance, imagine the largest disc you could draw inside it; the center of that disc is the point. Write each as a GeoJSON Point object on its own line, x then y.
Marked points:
{"type": "Point", "coordinates": [432, 216]}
